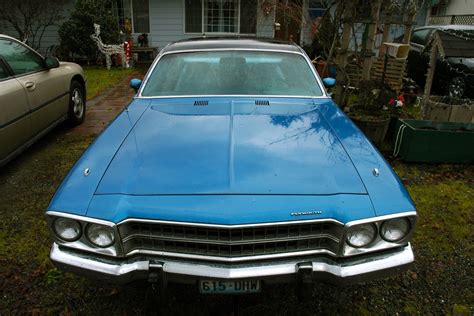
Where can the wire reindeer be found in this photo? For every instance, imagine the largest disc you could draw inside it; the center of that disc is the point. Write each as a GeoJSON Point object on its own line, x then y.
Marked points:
{"type": "Point", "coordinates": [109, 50]}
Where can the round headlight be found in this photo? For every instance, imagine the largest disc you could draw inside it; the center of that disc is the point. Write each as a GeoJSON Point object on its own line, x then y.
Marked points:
{"type": "Point", "coordinates": [394, 230]}
{"type": "Point", "coordinates": [361, 235]}
{"type": "Point", "coordinates": [100, 235]}
{"type": "Point", "coordinates": [67, 229]}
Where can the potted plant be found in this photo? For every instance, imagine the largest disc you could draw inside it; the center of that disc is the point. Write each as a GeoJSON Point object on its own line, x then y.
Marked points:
{"type": "Point", "coordinates": [369, 110]}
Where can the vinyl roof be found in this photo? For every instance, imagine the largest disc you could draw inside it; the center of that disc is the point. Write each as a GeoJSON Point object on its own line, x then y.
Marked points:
{"type": "Point", "coordinates": [231, 43]}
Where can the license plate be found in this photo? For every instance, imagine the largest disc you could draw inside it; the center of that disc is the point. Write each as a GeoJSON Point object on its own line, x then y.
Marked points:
{"type": "Point", "coordinates": [242, 286]}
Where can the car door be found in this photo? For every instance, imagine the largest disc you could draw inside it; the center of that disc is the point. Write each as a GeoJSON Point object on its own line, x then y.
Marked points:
{"type": "Point", "coordinates": [15, 127]}
{"type": "Point", "coordinates": [47, 101]}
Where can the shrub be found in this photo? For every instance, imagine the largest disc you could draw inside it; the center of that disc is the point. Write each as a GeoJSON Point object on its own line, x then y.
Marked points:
{"type": "Point", "coordinates": [75, 33]}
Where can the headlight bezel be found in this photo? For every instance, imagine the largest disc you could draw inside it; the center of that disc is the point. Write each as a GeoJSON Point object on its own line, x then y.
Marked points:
{"type": "Point", "coordinates": [90, 226]}
{"type": "Point", "coordinates": [60, 236]}
{"type": "Point", "coordinates": [378, 243]}
{"type": "Point", "coordinates": [386, 222]}
{"type": "Point", "coordinates": [83, 243]}
{"type": "Point", "coordinates": [372, 238]}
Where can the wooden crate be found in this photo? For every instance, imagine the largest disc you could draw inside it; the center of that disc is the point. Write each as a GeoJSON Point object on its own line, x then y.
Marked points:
{"type": "Point", "coordinates": [395, 70]}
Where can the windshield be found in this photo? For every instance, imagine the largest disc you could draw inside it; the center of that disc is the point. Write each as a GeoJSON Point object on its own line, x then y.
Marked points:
{"type": "Point", "coordinates": [232, 73]}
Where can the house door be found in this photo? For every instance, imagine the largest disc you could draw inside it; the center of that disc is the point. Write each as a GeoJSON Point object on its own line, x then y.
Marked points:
{"type": "Point", "coordinates": [288, 15]}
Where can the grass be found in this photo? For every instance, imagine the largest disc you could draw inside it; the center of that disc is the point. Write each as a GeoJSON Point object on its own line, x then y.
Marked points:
{"type": "Point", "coordinates": [440, 282]}
{"type": "Point", "coordinates": [100, 79]}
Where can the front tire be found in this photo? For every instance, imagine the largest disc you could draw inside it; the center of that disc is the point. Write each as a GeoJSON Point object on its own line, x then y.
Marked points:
{"type": "Point", "coordinates": [77, 104]}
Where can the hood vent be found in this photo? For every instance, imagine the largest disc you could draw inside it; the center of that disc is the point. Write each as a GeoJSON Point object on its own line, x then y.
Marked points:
{"type": "Point", "coordinates": [201, 102]}
{"type": "Point", "coordinates": [262, 102]}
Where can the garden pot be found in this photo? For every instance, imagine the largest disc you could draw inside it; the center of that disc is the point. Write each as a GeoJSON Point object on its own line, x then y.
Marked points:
{"type": "Point", "coordinates": [448, 109]}
{"type": "Point", "coordinates": [375, 128]}
{"type": "Point", "coordinates": [428, 141]}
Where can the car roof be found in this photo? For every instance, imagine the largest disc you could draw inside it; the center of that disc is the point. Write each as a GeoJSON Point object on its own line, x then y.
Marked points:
{"type": "Point", "coordinates": [454, 27]}
{"type": "Point", "coordinates": [204, 43]}
{"type": "Point", "coordinates": [7, 36]}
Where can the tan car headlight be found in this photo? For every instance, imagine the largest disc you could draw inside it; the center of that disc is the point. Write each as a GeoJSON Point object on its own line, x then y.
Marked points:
{"type": "Point", "coordinates": [394, 230]}
{"type": "Point", "coordinates": [100, 235]}
{"type": "Point", "coordinates": [67, 229]}
{"type": "Point", "coordinates": [361, 235]}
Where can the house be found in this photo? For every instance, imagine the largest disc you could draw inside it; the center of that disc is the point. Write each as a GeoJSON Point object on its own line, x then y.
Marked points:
{"type": "Point", "coordinates": [166, 21]}
{"type": "Point", "coordinates": [442, 12]}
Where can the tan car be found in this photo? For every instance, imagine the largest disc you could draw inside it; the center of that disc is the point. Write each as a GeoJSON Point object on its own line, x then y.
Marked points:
{"type": "Point", "coordinates": [36, 94]}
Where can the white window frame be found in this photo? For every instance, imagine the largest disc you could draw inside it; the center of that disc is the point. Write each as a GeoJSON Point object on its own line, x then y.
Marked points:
{"type": "Point", "coordinates": [217, 33]}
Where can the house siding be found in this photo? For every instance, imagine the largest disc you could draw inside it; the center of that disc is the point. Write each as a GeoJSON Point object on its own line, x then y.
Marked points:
{"type": "Point", "coordinates": [50, 36]}
{"type": "Point", "coordinates": [458, 7]}
{"type": "Point", "coordinates": [167, 22]}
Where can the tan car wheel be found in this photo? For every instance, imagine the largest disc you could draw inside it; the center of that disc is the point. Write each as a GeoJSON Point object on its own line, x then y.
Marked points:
{"type": "Point", "coordinates": [77, 104]}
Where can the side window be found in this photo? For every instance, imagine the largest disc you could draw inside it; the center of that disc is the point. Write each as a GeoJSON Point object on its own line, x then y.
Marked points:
{"type": "Point", "coordinates": [20, 58]}
{"type": "Point", "coordinates": [421, 37]}
{"type": "Point", "coordinates": [3, 71]}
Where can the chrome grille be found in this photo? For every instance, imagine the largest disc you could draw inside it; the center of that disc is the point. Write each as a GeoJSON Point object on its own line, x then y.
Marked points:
{"type": "Point", "coordinates": [230, 242]}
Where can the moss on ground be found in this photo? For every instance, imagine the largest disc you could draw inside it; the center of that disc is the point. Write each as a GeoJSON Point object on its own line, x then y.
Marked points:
{"type": "Point", "coordinates": [444, 196]}
{"type": "Point", "coordinates": [440, 282]}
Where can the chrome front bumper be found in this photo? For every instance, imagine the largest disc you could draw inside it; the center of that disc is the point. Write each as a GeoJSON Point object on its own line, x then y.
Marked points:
{"type": "Point", "coordinates": [312, 269]}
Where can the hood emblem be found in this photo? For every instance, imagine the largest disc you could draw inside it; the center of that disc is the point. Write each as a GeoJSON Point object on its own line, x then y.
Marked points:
{"type": "Point", "coordinates": [306, 213]}
{"type": "Point", "coordinates": [376, 172]}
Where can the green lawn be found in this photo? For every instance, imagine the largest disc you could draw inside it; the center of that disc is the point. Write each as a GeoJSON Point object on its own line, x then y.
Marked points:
{"type": "Point", "coordinates": [100, 79]}
{"type": "Point", "coordinates": [440, 282]}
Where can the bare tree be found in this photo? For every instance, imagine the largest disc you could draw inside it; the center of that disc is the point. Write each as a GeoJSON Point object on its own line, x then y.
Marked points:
{"type": "Point", "coordinates": [30, 18]}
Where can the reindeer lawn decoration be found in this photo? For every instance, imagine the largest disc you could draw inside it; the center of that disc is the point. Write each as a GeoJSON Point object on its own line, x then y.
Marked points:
{"type": "Point", "coordinates": [109, 50]}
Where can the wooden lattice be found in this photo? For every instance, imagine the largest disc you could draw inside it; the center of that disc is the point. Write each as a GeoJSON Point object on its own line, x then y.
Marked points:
{"type": "Point", "coordinates": [464, 19]}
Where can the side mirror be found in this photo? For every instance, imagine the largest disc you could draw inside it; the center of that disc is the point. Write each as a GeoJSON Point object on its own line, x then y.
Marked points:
{"type": "Point", "coordinates": [135, 84]}
{"type": "Point", "coordinates": [329, 82]}
{"type": "Point", "coordinates": [51, 62]}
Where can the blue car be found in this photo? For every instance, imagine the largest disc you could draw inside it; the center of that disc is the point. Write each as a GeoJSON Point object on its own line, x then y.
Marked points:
{"type": "Point", "coordinates": [232, 168]}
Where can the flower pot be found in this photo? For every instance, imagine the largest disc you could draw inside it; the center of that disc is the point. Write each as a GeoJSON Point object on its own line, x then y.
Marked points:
{"type": "Point", "coordinates": [448, 109]}
{"type": "Point", "coordinates": [374, 128]}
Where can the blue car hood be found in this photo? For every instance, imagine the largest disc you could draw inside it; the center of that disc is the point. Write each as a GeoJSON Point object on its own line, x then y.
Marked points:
{"type": "Point", "coordinates": [231, 147]}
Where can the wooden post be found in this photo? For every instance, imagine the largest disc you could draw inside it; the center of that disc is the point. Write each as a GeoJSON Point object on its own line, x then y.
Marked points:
{"type": "Point", "coordinates": [409, 26]}
{"type": "Point", "coordinates": [342, 54]}
{"type": "Point", "coordinates": [386, 31]}
{"type": "Point", "coordinates": [369, 46]}
{"type": "Point", "coordinates": [303, 24]}
{"type": "Point", "coordinates": [431, 71]}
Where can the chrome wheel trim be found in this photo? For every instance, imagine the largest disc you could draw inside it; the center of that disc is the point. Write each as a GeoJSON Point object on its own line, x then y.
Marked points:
{"type": "Point", "coordinates": [78, 103]}
{"type": "Point", "coordinates": [457, 87]}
